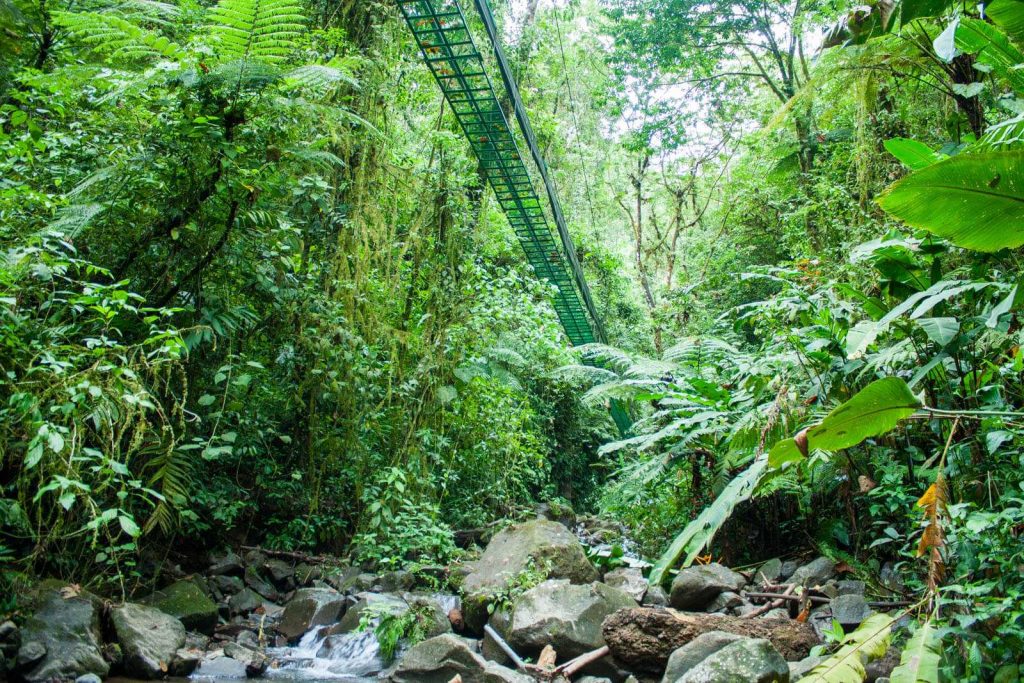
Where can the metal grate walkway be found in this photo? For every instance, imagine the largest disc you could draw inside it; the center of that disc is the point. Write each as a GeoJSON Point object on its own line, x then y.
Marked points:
{"type": "Point", "coordinates": [448, 49]}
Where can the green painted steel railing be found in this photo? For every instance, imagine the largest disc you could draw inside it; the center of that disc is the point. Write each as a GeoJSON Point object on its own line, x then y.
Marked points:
{"type": "Point", "coordinates": [450, 52]}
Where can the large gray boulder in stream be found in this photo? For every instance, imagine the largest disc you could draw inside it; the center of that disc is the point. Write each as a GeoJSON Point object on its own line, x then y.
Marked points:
{"type": "Point", "coordinates": [695, 652]}
{"type": "Point", "coordinates": [695, 587]}
{"type": "Point", "coordinates": [544, 544]}
{"type": "Point", "coordinates": [566, 616]}
{"type": "Point", "coordinates": [751, 660]}
{"type": "Point", "coordinates": [442, 658]}
{"type": "Point", "coordinates": [310, 607]}
{"type": "Point", "coordinates": [62, 640]}
{"type": "Point", "coordinates": [149, 639]}
{"type": "Point", "coordinates": [186, 601]}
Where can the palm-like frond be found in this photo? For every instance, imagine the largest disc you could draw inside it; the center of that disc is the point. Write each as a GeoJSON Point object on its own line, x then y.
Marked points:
{"type": "Point", "coordinates": [116, 37]}
{"type": "Point", "coordinates": [255, 30]}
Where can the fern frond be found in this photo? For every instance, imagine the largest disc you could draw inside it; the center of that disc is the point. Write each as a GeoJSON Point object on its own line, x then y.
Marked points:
{"type": "Point", "coordinates": [868, 642]}
{"type": "Point", "coordinates": [172, 474]}
{"type": "Point", "coordinates": [1002, 135]}
{"type": "Point", "coordinates": [586, 373]}
{"type": "Point", "coordinates": [72, 219]}
{"type": "Point", "coordinates": [117, 38]}
{"type": "Point", "coordinates": [255, 30]}
{"type": "Point", "coordinates": [622, 390]}
{"type": "Point", "coordinates": [920, 660]}
{"type": "Point", "coordinates": [606, 355]}
{"type": "Point", "coordinates": [319, 79]}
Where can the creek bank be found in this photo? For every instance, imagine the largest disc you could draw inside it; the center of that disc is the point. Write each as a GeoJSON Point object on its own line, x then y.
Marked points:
{"type": "Point", "coordinates": [260, 615]}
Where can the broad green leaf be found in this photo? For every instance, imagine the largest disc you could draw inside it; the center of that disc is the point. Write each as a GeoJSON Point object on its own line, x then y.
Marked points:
{"type": "Point", "coordinates": [701, 531]}
{"type": "Point", "coordinates": [783, 452]}
{"type": "Point", "coordinates": [913, 154]}
{"type": "Point", "coordinates": [868, 642]}
{"type": "Point", "coordinates": [940, 330]}
{"type": "Point", "coordinates": [915, 9]}
{"type": "Point", "coordinates": [919, 662]}
{"type": "Point", "coordinates": [1002, 308]}
{"type": "Point", "coordinates": [993, 49]}
{"type": "Point", "coordinates": [1009, 16]}
{"type": "Point", "coordinates": [876, 409]}
{"type": "Point", "coordinates": [129, 526]}
{"type": "Point", "coordinates": [974, 200]}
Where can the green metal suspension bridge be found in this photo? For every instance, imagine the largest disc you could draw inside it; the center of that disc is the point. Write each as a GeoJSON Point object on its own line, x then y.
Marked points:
{"type": "Point", "coordinates": [448, 48]}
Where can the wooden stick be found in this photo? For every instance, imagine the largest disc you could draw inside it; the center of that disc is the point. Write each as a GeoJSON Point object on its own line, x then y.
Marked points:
{"type": "Point", "coordinates": [574, 665]}
{"type": "Point", "coordinates": [302, 557]}
{"type": "Point", "coordinates": [769, 606]}
{"type": "Point", "coordinates": [505, 647]}
{"type": "Point", "coordinates": [792, 598]}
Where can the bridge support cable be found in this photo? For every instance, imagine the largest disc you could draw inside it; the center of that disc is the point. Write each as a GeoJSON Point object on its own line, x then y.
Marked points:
{"type": "Point", "coordinates": [448, 49]}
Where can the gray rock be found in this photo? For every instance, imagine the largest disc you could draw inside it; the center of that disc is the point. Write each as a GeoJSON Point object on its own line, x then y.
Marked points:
{"type": "Point", "coordinates": [217, 665]}
{"type": "Point", "coordinates": [186, 601]}
{"type": "Point", "coordinates": [629, 580]}
{"type": "Point", "coordinates": [750, 660]}
{"type": "Point", "coordinates": [306, 574]}
{"type": "Point", "coordinates": [543, 543]}
{"type": "Point", "coordinates": [695, 587]}
{"type": "Point", "coordinates": [245, 601]}
{"type": "Point", "coordinates": [770, 572]}
{"type": "Point", "coordinates": [776, 613]}
{"type": "Point", "coordinates": [431, 612]}
{"type": "Point", "coordinates": [185, 661]}
{"type": "Point", "coordinates": [656, 597]}
{"type": "Point", "coordinates": [798, 670]}
{"type": "Point", "coordinates": [442, 658]}
{"type": "Point", "coordinates": [255, 581]}
{"type": "Point", "coordinates": [30, 653]}
{"type": "Point", "coordinates": [149, 639]}
{"type": "Point", "coordinates": [788, 568]}
{"type": "Point", "coordinates": [850, 610]}
{"type": "Point", "coordinates": [228, 585]}
{"type": "Point", "coordinates": [248, 639]}
{"type": "Point", "coordinates": [341, 579]}
{"type": "Point", "coordinates": [379, 602]}
{"type": "Point", "coordinates": [62, 640]}
{"type": "Point", "coordinates": [255, 662]}
{"type": "Point", "coordinates": [310, 607]}
{"type": "Point", "coordinates": [593, 679]}
{"type": "Point", "coordinates": [696, 651]}
{"type": "Point", "coordinates": [849, 587]}
{"type": "Point", "coordinates": [281, 574]}
{"type": "Point", "coordinates": [396, 581]}
{"type": "Point", "coordinates": [564, 615]}
{"type": "Point", "coordinates": [89, 678]}
{"type": "Point", "coordinates": [814, 573]}
{"type": "Point", "coordinates": [225, 563]}
{"type": "Point", "coordinates": [724, 601]}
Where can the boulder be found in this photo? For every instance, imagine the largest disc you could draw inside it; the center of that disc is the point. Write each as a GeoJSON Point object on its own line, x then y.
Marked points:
{"type": "Point", "coordinates": [379, 602]}
{"type": "Point", "coordinates": [89, 678]}
{"type": "Point", "coordinates": [629, 580]}
{"type": "Point", "coordinates": [227, 585]}
{"type": "Point", "coordinates": [724, 602]}
{"type": "Point", "coordinates": [255, 581]}
{"type": "Point", "coordinates": [547, 545]}
{"type": "Point", "coordinates": [281, 573]}
{"type": "Point", "coordinates": [245, 601]}
{"type": "Point", "coordinates": [814, 573]}
{"type": "Point", "coordinates": [61, 640]}
{"type": "Point", "coordinates": [851, 587]}
{"type": "Point", "coordinates": [432, 613]}
{"type": "Point", "coordinates": [255, 662]}
{"type": "Point", "coordinates": [187, 602]}
{"type": "Point", "coordinates": [769, 573]}
{"type": "Point", "coordinates": [149, 639]}
{"type": "Point", "coordinates": [798, 670]}
{"type": "Point", "coordinates": [642, 638]}
{"type": "Point", "coordinates": [442, 658]}
{"type": "Point", "coordinates": [751, 660]}
{"type": "Point", "coordinates": [396, 581]}
{"type": "Point", "coordinates": [850, 610]}
{"type": "Point", "coordinates": [695, 587]}
{"type": "Point", "coordinates": [564, 615]}
{"type": "Point", "coordinates": [695, 652]}
{"type": "Point", "coordinates": [310, 607]}
{"type": "Point", "coordinates": [656, 597]}
{"type": "Point", "coordinates": [217, 664]}
{"type": "Point", "coordinates": [224, 563]}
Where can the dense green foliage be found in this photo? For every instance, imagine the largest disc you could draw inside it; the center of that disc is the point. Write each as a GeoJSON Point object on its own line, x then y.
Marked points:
{"type": "Point", "coordinates": [255, 290]}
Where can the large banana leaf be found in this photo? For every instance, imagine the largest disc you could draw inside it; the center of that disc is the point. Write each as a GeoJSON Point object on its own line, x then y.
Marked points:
{"type": "Point", "coordinates": [1009, 16]}
{"type": "Point", "coordinates": [974, 200]}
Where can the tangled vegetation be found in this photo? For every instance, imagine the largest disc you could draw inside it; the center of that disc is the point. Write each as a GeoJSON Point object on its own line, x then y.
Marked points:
{"type": "Point", "coordinates": [255, 289]}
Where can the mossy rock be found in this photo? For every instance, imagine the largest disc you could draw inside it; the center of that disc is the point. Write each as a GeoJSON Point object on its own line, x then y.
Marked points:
{"type": "Point", "coordinates": [186, 601]}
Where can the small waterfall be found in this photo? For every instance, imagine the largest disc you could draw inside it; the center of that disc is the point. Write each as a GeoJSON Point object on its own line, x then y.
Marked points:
{"type": "Point", "coordinates": [320, 655]}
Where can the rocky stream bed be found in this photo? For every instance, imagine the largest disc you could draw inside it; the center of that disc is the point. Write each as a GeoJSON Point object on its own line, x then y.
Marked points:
{"type": "Point", "coordinates": [281, 616]}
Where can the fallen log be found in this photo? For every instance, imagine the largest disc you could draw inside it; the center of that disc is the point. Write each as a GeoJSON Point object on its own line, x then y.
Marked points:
{"type": "Point", "coordinates": [642, 638]}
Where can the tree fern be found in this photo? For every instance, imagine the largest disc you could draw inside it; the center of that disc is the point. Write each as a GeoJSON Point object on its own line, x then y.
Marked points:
{"type": "Point", "coordinates": [868, 642]}
{"type": "Point", "coordinates": [255, 30]}
{"type": "Point", "coordinates": [116, 37]}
